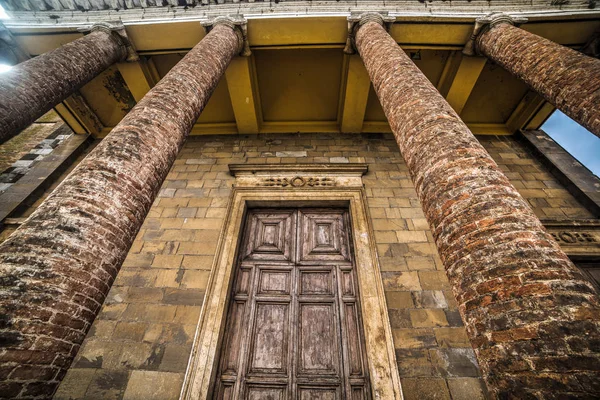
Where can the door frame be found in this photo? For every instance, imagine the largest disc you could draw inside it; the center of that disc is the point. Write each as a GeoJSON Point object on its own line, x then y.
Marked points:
{"type": "Point", "coordinates": [381, 359]}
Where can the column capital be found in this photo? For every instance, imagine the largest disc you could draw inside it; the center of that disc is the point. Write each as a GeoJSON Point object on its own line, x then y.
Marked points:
{"type": "Point", "coordinates": [484, 24]}
{"type": "Point", "coordinates": [356, 20]}
{"type": "Point", "coordinates": [117, 32]}
{"type": "Point", "coordinates": [239, 25]}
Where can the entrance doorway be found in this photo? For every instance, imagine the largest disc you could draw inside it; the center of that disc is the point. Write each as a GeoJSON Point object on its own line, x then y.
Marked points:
{"type": "Point", "coordinates": [294, 326]}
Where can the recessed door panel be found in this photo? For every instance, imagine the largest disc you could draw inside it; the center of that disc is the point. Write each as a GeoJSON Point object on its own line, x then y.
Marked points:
{"type": "Point", "coordinates": [270, 339]}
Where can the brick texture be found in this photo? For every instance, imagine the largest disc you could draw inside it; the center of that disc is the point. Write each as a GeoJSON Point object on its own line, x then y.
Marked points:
{"type": "Point", "coordinates": [530, 315]}
{"type": "Point", "coordinates": [566, 78]}
{"type": "Point", "coordinates": [57, 268]}
{"type": "Point", "coordinates": [33, 87]}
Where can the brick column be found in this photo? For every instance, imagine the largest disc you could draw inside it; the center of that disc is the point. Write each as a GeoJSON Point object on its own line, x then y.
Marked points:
{"type": "Point", "coordinates": [532, 318]}
{"type": "Point", "coordinates": [33, 87]}
{"type": "Point", "coordinates": [566, 78]}
{"type": "Point", "coordinates": [57, 268]}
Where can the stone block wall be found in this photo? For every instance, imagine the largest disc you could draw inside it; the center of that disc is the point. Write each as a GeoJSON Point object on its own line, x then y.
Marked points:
{"type": "Point", "coordinates": [140, 343]}
{"type": "Point", "coordinates": [545, 194]}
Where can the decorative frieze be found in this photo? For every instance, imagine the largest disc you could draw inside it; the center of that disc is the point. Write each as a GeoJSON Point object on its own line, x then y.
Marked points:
{"type": "Point", "coordinates": [298, 181]}
{"type": "Point", "coordinates": [298, 176]}
{"type": "Point", "coordinates": [576, 238]}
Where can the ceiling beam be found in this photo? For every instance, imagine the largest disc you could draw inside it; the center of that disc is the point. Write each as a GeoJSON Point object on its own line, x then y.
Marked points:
{"type": "Point", "coordinates": [527, 108]}
{"type": "Point", "coordinates": [464, 81]}
{"type": "Point", "coordinates": [137, 77]}
{"type": "Point", "coordinates": [240, 78]}
{"type": "Point", "coordinates": [78, 114]}
{"type": "Point", "coordinates": [449, 71]}
{"type": "Point", "coordinates": [356, 94]}
{"type": "Point", "coordinates": [541, 116]}
{"type": "Point", "coordinates": [70, 119]}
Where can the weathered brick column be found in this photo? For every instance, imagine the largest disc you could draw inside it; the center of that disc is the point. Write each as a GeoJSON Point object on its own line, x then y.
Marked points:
{"type": "Point", "coordinates": [566, 78]}
{"type": "Point", "coordinates": [531, 317]}
{"type": "Point", "coordinates": [57, 268]}
{"type": "Point", "coordinates": [33, 87]}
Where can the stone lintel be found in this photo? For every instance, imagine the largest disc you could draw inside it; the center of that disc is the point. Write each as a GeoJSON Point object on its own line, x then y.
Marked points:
{"type": "Point", "coordinates": [357, 19]}
{"type": "Point", "coordinates": [240, 26]}
{"type": "Point", "coordinates": [117, 30]}
{"type": "Point", "coordinates": [483, 24]}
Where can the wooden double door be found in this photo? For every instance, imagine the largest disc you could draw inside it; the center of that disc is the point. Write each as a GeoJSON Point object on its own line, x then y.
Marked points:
{"type": "Point", "coordinates": [294, 328]}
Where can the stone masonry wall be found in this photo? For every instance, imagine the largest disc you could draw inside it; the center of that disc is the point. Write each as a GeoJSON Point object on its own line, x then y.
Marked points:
{"type": "Point", "coordinates": [544, 193]}
{"type": "Point", "coordinates": [139, 345]}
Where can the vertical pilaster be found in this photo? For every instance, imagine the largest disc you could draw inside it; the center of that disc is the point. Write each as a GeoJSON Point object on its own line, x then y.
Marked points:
{"type": "Point", "coordinates": [532, 318]}
{"type": "Point", "coordinates": [566, 78]}
{"type": "Point", "coordinates": [57, 268]}
{"type": "Point", "coordinates": [33, 87]}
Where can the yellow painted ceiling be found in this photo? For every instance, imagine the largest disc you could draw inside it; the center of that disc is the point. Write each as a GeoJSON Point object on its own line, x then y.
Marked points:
{"type": "Point", "coordinates": [297, 76]}
{"type": "Point", "coordinates": [299, 84]}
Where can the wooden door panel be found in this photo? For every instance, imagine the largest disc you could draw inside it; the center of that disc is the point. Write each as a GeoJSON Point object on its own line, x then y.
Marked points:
{"type": "Point", "coordinates": [234, 338]}
{"type": "Point", "coordinates": [269, 234]}
{"type": "Point", "coordinates": [311, 393]}
{"type": "Point", "coordinates": [269, 349]}
{"type": "Point", "coordinates": [355, 359]}
{"type": "Point", "coordinates": [260, 392]}
{"type": "Point", "coordinates": [358, 393]}
{"type": "Point", "coordinates": [323, 237]}
{"type": "Point", "coordinates": [294, 326]}
{"type": "Point", "coordinates": [274, 282]}
{"type": "Point", "coordinates": [318, 345]}
{"type": "Point", "coordinates": [226, 391]}
{"type": "Point", "coordinates": [347, 283]}
{"type": "Point", "coordinates": [316, 282]}
{"type": "Point", "coordinates": [243, 282]}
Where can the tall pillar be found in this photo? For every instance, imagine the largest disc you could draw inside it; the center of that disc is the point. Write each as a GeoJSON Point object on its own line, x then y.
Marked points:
{"type": "Point", "coordinates": [57, 268]}
{"type": "Point", "coordinates": [532, 318]}
{"type": "Point", "coordinates": [33, 87]}
{"type": "Point", "coordinates": [566, 78]}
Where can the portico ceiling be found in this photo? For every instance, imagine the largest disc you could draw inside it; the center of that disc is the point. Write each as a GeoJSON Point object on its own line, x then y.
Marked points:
{"type": "Point", "coordinates": [298, 78]}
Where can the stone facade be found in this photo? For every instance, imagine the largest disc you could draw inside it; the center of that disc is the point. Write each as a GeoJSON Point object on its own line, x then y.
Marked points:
{"type": "Point", "coordinates": [139, 345]}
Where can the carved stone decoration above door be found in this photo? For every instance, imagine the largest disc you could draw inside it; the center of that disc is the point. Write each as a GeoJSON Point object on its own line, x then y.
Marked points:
{"type": "Point", "coordinates": [298, 176]}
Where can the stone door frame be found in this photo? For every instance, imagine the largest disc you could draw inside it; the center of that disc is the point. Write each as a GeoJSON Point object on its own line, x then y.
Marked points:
{"type": "Point", "coordinates": [343, 189]}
